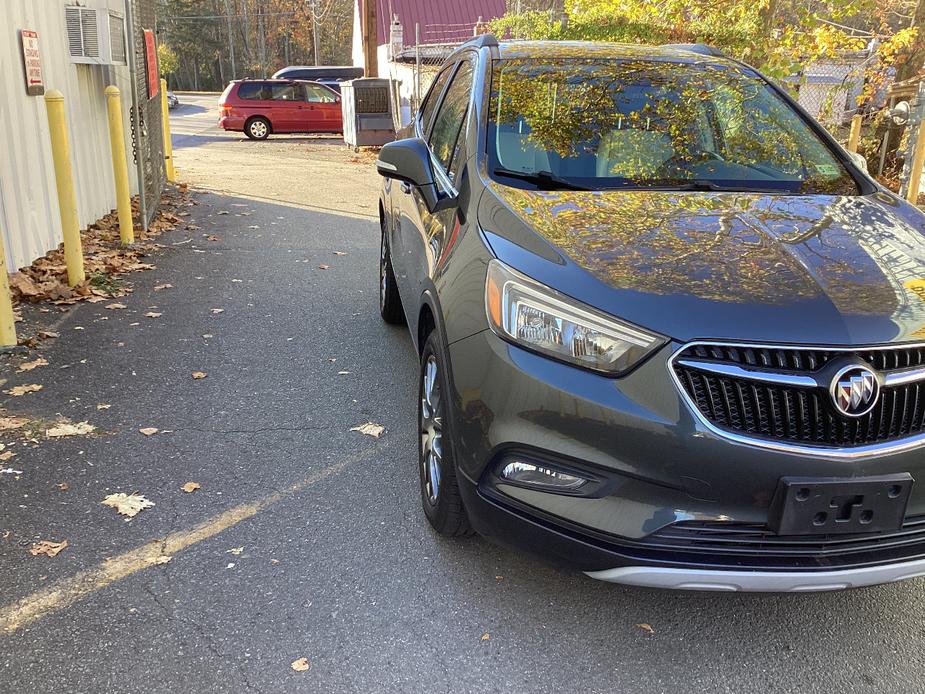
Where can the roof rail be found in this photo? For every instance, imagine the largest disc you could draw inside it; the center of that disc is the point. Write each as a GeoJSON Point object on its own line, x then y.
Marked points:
{"type": "Point", "coordinates": [480, 41]}
{"type": "Point", "coordinates": [699, 48]}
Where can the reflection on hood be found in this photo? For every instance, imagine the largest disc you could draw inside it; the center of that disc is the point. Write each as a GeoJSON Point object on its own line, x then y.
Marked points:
{"type": "Point", "coordinates": [861, 254]}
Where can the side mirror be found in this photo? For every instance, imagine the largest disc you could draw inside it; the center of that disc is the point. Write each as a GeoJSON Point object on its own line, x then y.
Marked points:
{"type": "Point", "coordinates": [858, 160]}
{"type": "Point", "coordinates": [409, 161]}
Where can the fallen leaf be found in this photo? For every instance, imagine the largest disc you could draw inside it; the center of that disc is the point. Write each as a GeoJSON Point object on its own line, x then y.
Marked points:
{"type": "Point", "coordinates": [218, 310]}
{"type": "Point", "coordinates": [485, 636]}
{"type": "Point", "coordinates": [47, 547]}
{"type": "Point", "coordinates": [127, 504]}
{"type": "Point", "coordinates": [7, 423]}
{"type": "Point", "coordinates": [153, 314]}
{"type": "Point", "coordinates": [162, 559]}
{"type": "Point", "coordinates": [63, 486]}
{"type": "Point", "coordinates": [323, 267]}
{"type": "Point", "coordinates": [211, 237]}
{"type": "Point", "coordinates": [158, 287]}
{"type": "Point", "coordinates": [370, 429]}
{"type": "Point", "coordinates": [199, 374]}
{"type": "Point", "coordinates": [300, 665]}
{"type": "Point", "coordinates": [68, 429]}
{"type": "Point", "coordinates": [646, 628]}
{"type": "Point", "coordinates": [339, 253]}
{"type": "Point", "coordinates": [234, 550]}
{"type": "Point", "coordinates": [29, 365]}
{"type": "Point", "coordinates": [6, 455]}
{"type": "Point", "coordinates": [148, 431]}
{"type": "Point", "coordinates": [47, 334]}
{"type": "Point", "coordinates": [22, 390]}
{"type": "Point", "coordinates": [190, 487]}
{"type": "Point", "coordinates": [103, 406]}
{"type": "Point", "coordinates": [114, 306]}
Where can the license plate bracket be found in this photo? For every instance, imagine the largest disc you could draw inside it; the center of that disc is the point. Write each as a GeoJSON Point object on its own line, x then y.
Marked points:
{"type": "Point", "coordinates": [835, 505]}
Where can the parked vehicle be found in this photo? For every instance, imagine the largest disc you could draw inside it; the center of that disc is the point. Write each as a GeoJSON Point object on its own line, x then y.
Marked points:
{"type": "Point", "coordinates": [669, 332]}
{"type": "Point", "coordinates": [261, 107]}
{"type": "Point", "coordinates": [172, 100]}
{"type": "Point", "coordinates": [328, 75]}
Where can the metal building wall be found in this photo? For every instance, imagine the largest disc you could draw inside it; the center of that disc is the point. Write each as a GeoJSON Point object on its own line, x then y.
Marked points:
{"type": "Point", "coordinates": [28, 201]}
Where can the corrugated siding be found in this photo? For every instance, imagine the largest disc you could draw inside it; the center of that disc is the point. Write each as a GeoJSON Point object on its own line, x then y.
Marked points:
{"type": "Point", "coordinates": [28, 199]}
{"type": "Point", "coordinates": [444, 20]}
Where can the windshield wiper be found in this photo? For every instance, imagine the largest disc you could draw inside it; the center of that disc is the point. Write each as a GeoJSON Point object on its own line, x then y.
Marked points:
{"type": "Point", "coordinates": [544, 180]}
{"type": "Point", "coordinates": [708, 185]}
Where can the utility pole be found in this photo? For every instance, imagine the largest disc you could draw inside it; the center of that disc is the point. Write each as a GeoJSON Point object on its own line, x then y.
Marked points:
{"type": "Point", "coordinates": [230, 39]}
{"type": "Point", "coordinates": [368, 22]}
{"type": "Point", "coordinates": [315, 27]}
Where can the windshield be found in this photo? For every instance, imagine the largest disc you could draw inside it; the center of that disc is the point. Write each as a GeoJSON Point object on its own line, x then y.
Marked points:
{"type": "Point", "coordinates": [599, 124]}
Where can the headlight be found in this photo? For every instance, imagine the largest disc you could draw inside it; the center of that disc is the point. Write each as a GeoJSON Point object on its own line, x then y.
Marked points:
{"type": "Point", "coordinates": [534, 316]}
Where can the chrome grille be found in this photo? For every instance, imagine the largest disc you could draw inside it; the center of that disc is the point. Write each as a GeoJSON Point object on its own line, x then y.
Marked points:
{"type": "Point", "coordinates": [778, 394]}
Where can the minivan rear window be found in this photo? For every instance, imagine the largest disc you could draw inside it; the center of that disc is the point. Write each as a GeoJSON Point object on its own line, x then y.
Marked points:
{"type": "Point", "coordinates": [253, 90]}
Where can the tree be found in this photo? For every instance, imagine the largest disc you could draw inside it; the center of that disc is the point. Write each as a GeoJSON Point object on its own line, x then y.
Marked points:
{"type": "Point", "coordinates": [776, 36]}
{"type": "Point", "coordinates": [912, 65]}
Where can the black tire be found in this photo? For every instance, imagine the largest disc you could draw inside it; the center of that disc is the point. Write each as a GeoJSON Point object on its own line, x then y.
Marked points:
{"type": "Point", "coordinates": [440, 495]}
{"type": "Point", "coordinates": [257, 128]}
{"type": "Point", "coordinates": [389, 302]}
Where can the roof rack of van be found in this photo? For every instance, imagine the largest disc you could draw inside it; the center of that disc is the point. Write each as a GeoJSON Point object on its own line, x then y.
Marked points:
{"type": "Point", "coordinates": [699, 48]}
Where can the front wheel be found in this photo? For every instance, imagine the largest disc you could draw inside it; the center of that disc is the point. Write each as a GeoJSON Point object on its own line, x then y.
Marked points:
{"type": "Point", "coordinates": [257, 129]}
{"type": "Point", "coordinates": [440, 495]}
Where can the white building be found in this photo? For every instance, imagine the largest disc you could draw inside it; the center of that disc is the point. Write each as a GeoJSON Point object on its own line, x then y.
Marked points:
{"type": "Point", "coordinates": [82, 48]}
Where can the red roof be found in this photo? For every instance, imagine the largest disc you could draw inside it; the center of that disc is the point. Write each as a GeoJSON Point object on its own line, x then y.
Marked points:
{"type": "Point", "coordinates": [441, 21]}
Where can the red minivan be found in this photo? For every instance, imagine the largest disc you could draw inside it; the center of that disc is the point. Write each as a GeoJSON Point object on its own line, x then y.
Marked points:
{"type": "Point", "coordinates": [260, 107]}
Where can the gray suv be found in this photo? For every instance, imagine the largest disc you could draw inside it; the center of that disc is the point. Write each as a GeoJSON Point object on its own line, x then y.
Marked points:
{"type": "Point", "coordinates": [670, 333]}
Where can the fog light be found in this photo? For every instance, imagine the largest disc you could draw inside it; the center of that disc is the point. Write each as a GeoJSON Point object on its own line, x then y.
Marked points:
{"type": "Point", "coordinates": [538, 476]}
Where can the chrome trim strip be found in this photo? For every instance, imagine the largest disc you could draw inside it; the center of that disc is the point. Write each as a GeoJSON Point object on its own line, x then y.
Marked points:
{"type": "Point", "coordinates": [760, 581]}
{"type": "Point", "coordinates": [385, 165]}
{"type": "Point", "coordinates": [734, 371]}
{"type": "Point", "coordinates": [903, 377]}
{"type": "Point", "coordinates": [854, 453]}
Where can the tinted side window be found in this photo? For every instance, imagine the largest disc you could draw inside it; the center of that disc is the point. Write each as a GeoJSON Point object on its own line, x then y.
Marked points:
{"type": "Point", "coordinates": [433, 96]}
{"type": "Point", "coordinates": [318, 94]}
{"type": "Point", "coordinates": [445, 134]}
{"type": "Point", "coordinates": [253, 90]}
{"type": "Point", "coordinates": [285, 92]}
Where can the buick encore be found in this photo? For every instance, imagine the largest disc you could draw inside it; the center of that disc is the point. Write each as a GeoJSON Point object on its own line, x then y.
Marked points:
{"type": "Point", "coordinates": [670, 332]}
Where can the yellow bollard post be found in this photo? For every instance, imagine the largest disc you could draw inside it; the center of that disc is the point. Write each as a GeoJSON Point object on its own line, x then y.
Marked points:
{"type": "Point", "coordinates": [7, 322]}
{"type": "Point", "coordinates": [168, 145]}
{"type": "Point", "coordinates": [855, 135]}
{"type": "Point", "coordinates": [64, 178]}
{"type": "Point", "coordinates": [119, 165]}
{"type": "Point", "coordinates": [918, 162]}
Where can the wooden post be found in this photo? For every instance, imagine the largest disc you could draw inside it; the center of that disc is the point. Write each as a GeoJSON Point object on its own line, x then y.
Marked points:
{"type": "Point", "coordinates": [370, 48]}
{"type": "Point", "coordinates": [855, 135]}
{"type": "Point", "coordinates": [918, 161]}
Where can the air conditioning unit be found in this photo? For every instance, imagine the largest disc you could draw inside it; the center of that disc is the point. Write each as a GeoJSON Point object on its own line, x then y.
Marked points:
{"type": "Point", "coordinates": [95, 36]}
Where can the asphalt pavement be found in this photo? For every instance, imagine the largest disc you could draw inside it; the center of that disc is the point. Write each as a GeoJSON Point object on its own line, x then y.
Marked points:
{"type": "Point", "coordinates": [306, 539]}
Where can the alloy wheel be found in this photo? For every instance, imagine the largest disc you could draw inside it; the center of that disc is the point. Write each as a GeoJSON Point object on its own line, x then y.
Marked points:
{"type": "Point", "coordinates": [431, 429]}
{"type": "Point", "coordinates": [259, 129]}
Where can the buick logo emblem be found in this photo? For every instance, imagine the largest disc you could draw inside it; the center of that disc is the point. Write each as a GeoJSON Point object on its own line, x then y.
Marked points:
{"type": "Point", "coordinates": [854, 390]}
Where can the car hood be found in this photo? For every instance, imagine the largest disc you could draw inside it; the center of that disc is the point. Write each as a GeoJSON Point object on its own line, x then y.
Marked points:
{"type": "Point", "coordinates": [817, 269]}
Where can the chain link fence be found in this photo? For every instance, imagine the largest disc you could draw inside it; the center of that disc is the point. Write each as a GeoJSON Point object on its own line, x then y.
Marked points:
{"type": "Point", "coordinates": [146, 117]}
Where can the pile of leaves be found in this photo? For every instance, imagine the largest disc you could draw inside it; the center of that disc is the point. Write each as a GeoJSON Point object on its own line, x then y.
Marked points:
{"type": "Point", "coordinates": [105, 260]}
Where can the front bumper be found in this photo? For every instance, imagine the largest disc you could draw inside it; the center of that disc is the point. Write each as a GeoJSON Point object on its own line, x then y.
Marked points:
{"type": "Point", "coordinates": [665, 471]}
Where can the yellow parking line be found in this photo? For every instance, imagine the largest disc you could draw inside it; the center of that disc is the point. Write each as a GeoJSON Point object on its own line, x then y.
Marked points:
{"type": "Point", "coordinates": [66, 592]}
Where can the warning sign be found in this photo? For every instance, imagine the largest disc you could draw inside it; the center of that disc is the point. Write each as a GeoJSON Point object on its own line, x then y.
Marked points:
{"type": "Point", "coordinates": [32, 62]}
